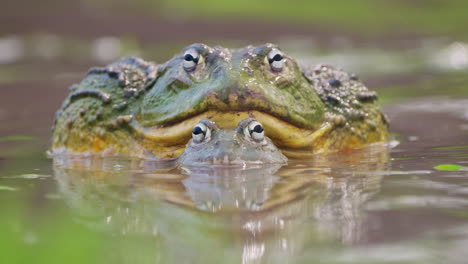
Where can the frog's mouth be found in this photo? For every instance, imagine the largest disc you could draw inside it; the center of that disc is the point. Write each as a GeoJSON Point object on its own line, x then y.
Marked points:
{"type": "Point", "coordinates": [284, 135]}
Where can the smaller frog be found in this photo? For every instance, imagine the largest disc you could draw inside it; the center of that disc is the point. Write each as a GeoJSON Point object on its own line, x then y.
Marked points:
{"type": "Point", "coordinates": [246, 144]}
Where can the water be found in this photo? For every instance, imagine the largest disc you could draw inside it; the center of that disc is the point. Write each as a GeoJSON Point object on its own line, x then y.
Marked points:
{"type": "Point", "coordinates": [406, 202]}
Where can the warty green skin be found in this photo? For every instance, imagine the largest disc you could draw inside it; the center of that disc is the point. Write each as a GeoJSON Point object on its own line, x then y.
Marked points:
{"type": "Point", "coordinates": [110, 111]}
{"type": "Point", "coordinates": [224, 75]}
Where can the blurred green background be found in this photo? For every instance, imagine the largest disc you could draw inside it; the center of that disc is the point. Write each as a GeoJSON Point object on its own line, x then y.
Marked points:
{"type": "Point", "coordinates": [378, 18]}
{"type": "Point", "coordinates": [403, 49]}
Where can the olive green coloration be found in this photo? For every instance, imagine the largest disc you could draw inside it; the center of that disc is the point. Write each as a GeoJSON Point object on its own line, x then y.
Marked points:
{"type": "Point", "coordinates": [227, 80]}
{"type": "Point", "coordinates": [243, 145]}
{"type": "Point", "coordinates": [142, 109]}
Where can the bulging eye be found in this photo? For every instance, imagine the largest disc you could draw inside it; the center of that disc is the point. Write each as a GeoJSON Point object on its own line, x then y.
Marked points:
{"type": "Point", "coordinates": [276, 59]}
{"type": "Point", "coordinates": [191, 59]}
{"type": "Point", "coordinates": [201, 133]}
{"type": "Point", "coordinates": [255, 131]}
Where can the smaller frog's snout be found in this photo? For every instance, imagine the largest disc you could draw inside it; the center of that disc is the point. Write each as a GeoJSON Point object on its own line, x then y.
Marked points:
{"type": "Point", "coordinates": [225, 160]}
{"type": "Point", "coordinates": [244, 145]}
{"type": "Point", "coordinates": [225, 152]}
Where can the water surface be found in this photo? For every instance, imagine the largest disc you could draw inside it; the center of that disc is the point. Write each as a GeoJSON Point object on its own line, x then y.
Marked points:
{"type": "Point", "coordinates": [405, 202]}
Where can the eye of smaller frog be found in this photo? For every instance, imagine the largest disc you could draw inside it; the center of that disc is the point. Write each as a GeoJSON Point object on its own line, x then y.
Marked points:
{"type": "Point", "coordinates": [255, 130]}
{"type": "Point", "coordinates": [276, 59]}
{"type": "Point", "coordinates": [201, 133]}
{"type": "Point", "coordinates": [191, 59]}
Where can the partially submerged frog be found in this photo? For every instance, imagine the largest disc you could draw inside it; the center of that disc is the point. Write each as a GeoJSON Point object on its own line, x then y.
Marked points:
{"type": "Point", "coordinates": [148, 110]}
{"type": "Point", "coordinates": [246, 144]}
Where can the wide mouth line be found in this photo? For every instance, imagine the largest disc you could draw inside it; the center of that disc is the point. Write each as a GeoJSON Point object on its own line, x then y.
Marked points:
{"type": "Point", "coordinates": [175, 118]}
{"type": "Point", "coordinates": [218, 116]}
{"type": "Point", "coordinates": [282, 133]}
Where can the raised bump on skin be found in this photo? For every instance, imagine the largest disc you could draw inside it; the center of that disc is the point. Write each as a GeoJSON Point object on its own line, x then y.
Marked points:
{"type": "Point", "coordinates": [104, 97]}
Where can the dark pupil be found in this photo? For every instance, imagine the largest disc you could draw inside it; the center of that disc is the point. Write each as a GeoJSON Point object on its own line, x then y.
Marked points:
{"type": "Point", "coordinates": [277, 57]}
{"type": "Point", "coordinates": [197, 130]}
{"type": "Point", "coordinates": [189, 57]}
{"type": "Point", "coordinates": [258, 129]}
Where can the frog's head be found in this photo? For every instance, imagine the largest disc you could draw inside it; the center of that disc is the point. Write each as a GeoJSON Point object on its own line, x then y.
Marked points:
{"type": "Point", "coordinates": [246, 144]}
{"type": "Point", "coordinates": [227, 86]}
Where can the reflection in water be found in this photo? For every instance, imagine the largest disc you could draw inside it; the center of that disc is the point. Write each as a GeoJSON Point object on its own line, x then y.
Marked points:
{"type": "Point", "coordinates": [217, 188]}
{"type": "Point", "coordinates": [262, 214]}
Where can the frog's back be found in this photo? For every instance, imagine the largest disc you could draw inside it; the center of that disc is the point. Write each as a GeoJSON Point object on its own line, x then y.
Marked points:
{"type": "Point", "coordinates": [352, 109]}
{"type": "Point", "coordinates": [93, 117]}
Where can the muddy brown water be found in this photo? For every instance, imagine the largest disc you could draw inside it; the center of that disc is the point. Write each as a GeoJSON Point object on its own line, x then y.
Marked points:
{"type": "Point", "coordinates": [381, 204]}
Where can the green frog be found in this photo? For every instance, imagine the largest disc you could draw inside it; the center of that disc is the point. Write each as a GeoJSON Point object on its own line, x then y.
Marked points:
{"type": "Point", "coordinates": [148, 110]}
{"type": "Point", "coordinates": [246, 144]}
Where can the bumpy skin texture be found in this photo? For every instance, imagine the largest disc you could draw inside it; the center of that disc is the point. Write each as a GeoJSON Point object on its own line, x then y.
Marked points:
{"type": "Point", "coordinates": [142, 109]}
